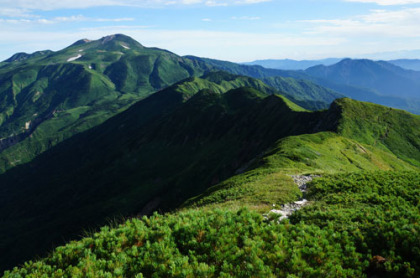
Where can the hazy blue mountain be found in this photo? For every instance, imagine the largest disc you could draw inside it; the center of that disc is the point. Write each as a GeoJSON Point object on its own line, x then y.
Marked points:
{"type": "Point", "coordinates": [271, 76]}
{"type": "Point", "coordinates": [289, 64]}
{"type": "Point", "coordinates": [410, 64]}
{"type": "Point", "coordinates": [295, 85]}
{"type": "Point", "coordinates": [381, 77]}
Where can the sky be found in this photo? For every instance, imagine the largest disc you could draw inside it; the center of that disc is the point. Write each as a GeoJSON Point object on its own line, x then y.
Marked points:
{"type": "Point", "coordinates": [233, 30]}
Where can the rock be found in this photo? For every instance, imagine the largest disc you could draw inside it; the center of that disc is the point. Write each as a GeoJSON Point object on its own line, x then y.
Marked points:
{"type": "Point", "coordinates": [302, 180]}
{"type": "Point", "coordinates": [288, 209]}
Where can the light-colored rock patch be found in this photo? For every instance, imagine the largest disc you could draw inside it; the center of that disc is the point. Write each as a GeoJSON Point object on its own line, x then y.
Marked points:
{"type": "Point", "coordinates": [288, 209]}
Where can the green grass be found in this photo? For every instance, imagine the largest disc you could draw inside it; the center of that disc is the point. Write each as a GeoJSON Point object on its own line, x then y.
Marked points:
{"type": "Point", "coordinates": [329, 153]}
{"type": "Point", "coordinates": [389, 129]}
{"type": "Point", "coordinates": [380, 213]}
{"type": "Point", "coordinates": [303, 92]}
{"type": "Point", "coordinates": [358, 225]}
{"type": "Point", "coordinates": [258, 189]}
{"type": "Point", "coordinates": [217, 243]}
{"type": "Point", "coordinates": [268, 181]}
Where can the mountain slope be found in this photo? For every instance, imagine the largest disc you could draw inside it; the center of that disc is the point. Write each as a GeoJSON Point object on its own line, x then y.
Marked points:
{"type": "Point", "coordinates": [176, 143]}
{"type": "Point", "coordinates": [409, 64]}
{"type": "Point", "coordinates": [303, 92]}
{"type": "Point", "coordinates": [46, 97]}
{"type": "Point", "coordinates": [368, 137]}
{"type": "Point", "coordinates": [162, 150]}
{"type": "Point", "coordinates": [49, 96]}
{"type": "Point", "coordinates": [295, 85]}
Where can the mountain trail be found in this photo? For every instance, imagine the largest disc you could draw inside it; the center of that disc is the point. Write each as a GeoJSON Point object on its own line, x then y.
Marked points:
{"type": "Point", "coordinates": [288, 209]}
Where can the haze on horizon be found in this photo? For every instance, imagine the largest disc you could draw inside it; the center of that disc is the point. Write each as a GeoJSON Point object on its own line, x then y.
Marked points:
{"type": "Point", "coordinates": [234, 30]}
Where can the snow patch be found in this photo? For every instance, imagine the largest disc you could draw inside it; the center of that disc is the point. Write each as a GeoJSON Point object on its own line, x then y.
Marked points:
{"type": "Point", "coordinates": [126, 47]}
{"type": "Point", "coordinates": [80, 50]}
{"type": "Point", "coordinates": [74, 58]}
{"type": "Point", "coordinates": [27, 125]}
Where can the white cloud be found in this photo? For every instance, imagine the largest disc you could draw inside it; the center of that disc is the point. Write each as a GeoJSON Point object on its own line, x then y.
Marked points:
{"type": "Point", "coordinates": [45, 5]}
{"type": "Point", "coordinates": [14, 12]}
{"type": "Point", "coordinates": [387, 2]}
{"type": "Point", "coordinates": [65, 19]}
{"type": "Point", "coordinates": [378, 23]}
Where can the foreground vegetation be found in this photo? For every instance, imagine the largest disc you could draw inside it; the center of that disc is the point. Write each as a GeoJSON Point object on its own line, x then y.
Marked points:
{"type": "Point", "coordinates": [358, 225]}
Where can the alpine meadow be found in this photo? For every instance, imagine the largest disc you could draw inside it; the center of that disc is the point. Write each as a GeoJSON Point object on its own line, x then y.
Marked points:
{"type": "Point", "coordinates": [121, 160]}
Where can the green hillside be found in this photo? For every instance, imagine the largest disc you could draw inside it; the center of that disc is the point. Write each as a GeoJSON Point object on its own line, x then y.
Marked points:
{"type": "Point", "coordinates": [295, 85]}
{"type": "Point", "coordinates": [177, 143]}
{"type": "Point", "coordinates": [47, 97]}
{"type": "Point", "coordinates": [358, 225]}
{"type": "Point", "coordinates": [303, 92]}
{"type": "Point", "coordinates": [357, 145]}
{"type": "Point", "coordinates": [169, 147]}
{"type": "Point", "coordinates": [186, 162]}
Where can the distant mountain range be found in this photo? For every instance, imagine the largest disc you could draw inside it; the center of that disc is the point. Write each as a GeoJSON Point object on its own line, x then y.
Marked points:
{"type": "Point", "coordinates": [383, 78]}
{"type": "Point", "coordinates": [410, 64]}
{"type": "Point", "coordinates": [289, 64]}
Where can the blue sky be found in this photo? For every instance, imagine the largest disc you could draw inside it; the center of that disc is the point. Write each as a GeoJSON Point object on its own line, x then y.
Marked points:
{"type": "Point", "coordinates": [234, 30]}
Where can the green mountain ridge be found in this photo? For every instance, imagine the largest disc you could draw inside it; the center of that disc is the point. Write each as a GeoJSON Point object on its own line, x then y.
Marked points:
{"type": "Point", "coordinates": [258, 183]}
{"type": "Point", "coordinates": [47, 97]}
{"type": "Point", "coordinates": [178, 142]}
{"type": "Point", "coordinates": [156, 133]}
{"type": "Point", "coordinates": [50, 97]}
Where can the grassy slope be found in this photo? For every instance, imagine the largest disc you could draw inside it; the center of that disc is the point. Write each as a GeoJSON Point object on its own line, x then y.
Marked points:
{"type": "Point", "coordinates": [150, 161]}
{"type": "Point", "coordinates": [60, 98]}
{"type": "Point", "coordinates": [360, 144]}
{"type": "Point", "coordinates": [303, 92]}
{"type": "Point", "coordinates": [387, 128]}
{"type": "Point", "coordinates": [161, 151]}
{"type": "Point", "coordinates": [361, 225]}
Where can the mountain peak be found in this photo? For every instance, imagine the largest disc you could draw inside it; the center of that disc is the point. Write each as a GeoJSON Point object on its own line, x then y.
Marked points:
{"type": "Point", "coordinates": [22, 56]}
{"type": "Point", "coordinates": [121, 38]}
{"type": "Point", "coordinates": [115, 42]}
